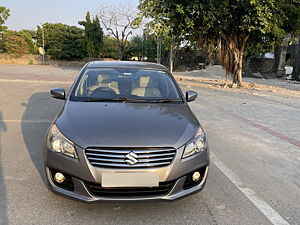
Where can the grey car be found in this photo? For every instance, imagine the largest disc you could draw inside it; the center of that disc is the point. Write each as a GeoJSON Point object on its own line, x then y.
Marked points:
{"type": "Point", "coordinates": [125, 133]}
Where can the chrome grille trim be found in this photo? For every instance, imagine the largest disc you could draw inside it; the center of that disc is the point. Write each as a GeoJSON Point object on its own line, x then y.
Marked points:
{"type": "Point", "coordinates": [118, 151]}
{"type": "Point", "coordinates": [140, 165]}
{"type": "Point", "coordinates": [116, 157]}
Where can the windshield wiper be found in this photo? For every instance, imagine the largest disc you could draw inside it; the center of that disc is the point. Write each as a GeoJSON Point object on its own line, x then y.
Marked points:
{"type": "Point", "coordinates": [112, 100]}
{"type": "Point", "coordinates": [166, 100]}
{"type": "Point", "coordinates": [103, 100]}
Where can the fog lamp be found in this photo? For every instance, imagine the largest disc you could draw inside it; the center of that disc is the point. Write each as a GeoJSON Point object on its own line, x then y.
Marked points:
{"type": "Point", "coordinates": [59, 178]}
{"type": "Point", "coordinates": [196, 176]}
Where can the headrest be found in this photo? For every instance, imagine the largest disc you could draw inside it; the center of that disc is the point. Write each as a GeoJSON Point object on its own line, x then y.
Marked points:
{"type": "Point", "coordinates": [103, 78]}
{"type": "Point", "coordinates": [146, 82]}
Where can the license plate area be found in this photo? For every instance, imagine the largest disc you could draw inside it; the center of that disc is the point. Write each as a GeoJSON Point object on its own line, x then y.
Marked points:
{"type": "Point", "coordinates": [133, 179]}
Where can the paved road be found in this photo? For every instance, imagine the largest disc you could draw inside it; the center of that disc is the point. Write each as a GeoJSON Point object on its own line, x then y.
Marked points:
{"type": "Point", "coordinates": [254, 176]}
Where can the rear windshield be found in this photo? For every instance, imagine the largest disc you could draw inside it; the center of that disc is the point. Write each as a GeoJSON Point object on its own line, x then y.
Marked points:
{"type": "Point", "coordinates": [111, 83]}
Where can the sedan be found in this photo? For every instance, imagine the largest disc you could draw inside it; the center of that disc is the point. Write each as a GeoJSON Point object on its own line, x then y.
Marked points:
{"type": "Point", "coordinates": [125, 133]}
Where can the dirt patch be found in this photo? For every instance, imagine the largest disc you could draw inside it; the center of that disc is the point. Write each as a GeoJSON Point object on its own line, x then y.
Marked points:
{"type": "Point", "coordinates": [249, 87]}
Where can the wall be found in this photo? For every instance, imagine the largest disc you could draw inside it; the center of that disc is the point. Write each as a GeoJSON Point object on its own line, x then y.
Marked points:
{"type": "Point", "coordinates": [37, 60]}
{"type": "Point", "coordinates": [25, 59]}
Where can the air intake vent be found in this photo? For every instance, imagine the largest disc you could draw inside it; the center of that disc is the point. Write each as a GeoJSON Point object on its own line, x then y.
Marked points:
{"type": "Point", "coordinates": [96, 189]}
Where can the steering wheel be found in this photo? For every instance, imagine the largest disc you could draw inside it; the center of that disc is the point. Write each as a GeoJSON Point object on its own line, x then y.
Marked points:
{"type": "Point", "coordinates": [100, 91]}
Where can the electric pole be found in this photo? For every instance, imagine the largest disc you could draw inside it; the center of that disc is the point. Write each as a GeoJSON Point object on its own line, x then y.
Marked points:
{"type": "Point", "coordinates": [171, 54]}
{"type": "Point", "coordinates": [43, 43]}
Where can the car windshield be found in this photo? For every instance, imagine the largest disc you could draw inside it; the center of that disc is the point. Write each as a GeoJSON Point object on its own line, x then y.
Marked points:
{"type": "Point", "coordinates": [118, 84]}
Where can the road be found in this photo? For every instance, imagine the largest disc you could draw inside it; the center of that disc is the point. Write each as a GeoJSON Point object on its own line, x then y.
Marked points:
{"type": "Point", "coordinates": [254, 176]}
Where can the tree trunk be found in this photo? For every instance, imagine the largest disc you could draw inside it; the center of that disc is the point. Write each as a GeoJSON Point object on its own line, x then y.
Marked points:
{"type": "Point", "coordinates": [237, 77]}
{"type": "Point", "coordinates": [230, 53]}
{"type": "Point", "coordinates": [120, 53]}
{"type": "Point", "coordinates": [296, 62]}
{"type": "Point", "coordinates": [237, 47]}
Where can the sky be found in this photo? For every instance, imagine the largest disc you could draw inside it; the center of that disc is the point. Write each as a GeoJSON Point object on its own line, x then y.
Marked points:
{"type": "Point", "coordinates": [27, 14]}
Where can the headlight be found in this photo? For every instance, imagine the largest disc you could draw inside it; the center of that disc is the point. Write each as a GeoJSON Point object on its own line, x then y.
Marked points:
{"type": "Point", "coordinates": [196, 145]}
{"type": "Point", "coordinates": [57, 142]}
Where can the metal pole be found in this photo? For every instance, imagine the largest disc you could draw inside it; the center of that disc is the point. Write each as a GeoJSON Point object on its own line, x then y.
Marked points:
{"type": "Point", "coordinates": [43, 40]}
{"type": "Point", "coordinates": [171, 54]}
{"type": "Point", "coordinates": [159, 50]}
{"type": "Point", "coordinates": [160, 43]}
{"type": "Point", "coordinates": [142, 58]}
{"type": "Point", "coordinates": [1, 41]}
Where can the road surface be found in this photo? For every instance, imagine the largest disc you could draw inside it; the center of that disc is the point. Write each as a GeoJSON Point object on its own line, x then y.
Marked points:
{"type": "Point", "coordinates": [254, 176]}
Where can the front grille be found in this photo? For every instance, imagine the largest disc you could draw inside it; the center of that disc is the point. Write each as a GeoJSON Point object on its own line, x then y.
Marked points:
{"type": "Point", "coordinates": [96, 189]}
{"type": "Point", "coordinates": [130, 158]}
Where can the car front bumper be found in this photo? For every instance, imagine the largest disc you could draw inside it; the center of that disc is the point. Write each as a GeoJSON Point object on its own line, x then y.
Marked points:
{"type": "Point", "coordinates": [81, 173]}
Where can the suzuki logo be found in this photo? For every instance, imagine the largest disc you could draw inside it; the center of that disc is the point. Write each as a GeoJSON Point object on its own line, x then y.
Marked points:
{"type": "Point", "coordinates": [131, 158]}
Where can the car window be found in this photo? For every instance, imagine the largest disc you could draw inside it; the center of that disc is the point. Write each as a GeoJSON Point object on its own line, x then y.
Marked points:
{"type": "Point", "coordinates": [125, 83]}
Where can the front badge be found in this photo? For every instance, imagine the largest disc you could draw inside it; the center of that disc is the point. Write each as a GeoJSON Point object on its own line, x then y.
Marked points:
{"type": "Point", "coordinates": [131, 158]}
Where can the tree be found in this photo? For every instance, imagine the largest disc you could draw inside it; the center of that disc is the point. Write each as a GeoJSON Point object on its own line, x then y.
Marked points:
{"type": "Point", "coordinates": [136, 47]}
{"type": "Point", "coordinates": [30, 37]}
{"type": "Point", "coordinates": [93, 35]}
{"type": "Point", "coordinates": [221, 27]}
{"type": "Point", "coordinates": [119, 22]}
{"type": "Point", "coordinates": [109, 48]}
{"type": "Point", "coordinates": [4, 14]}
{"type": "Point", "coordinates": [291, 25]}
{"type": "Point", "coordinates": [19, 42]}
{"type": "Point", "coordinates": [15, 43]}
{"type": "Point", "coordinates": [149, 50]}
{"type": "Point", "coordinates": [143, 47]}
{"type": "Point", "coordinates": [62, 41]}
{"type": "Point", "coordinates": [296, 70]}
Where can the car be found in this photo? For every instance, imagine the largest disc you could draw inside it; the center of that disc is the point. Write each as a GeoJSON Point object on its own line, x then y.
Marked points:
{"type": "Point", "coordinates": [125, 133]}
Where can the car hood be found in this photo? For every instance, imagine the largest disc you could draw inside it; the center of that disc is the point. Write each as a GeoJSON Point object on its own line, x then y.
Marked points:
{"type": "Point", "coordinates": [91, 124]}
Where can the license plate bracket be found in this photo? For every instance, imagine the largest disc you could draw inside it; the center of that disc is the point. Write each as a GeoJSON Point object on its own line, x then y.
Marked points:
{"type": "Point", "coordinates": [133, 179]}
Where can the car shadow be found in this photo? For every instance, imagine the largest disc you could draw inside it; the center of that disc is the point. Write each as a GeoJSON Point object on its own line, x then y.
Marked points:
{"type": "Point", "coordinates": [40, 111]}
{"type": "Point", "coordinates": [3, 203]}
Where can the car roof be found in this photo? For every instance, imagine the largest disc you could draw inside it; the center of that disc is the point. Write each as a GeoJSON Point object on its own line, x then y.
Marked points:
{"type": "Point", "coordinates": [126, 64]}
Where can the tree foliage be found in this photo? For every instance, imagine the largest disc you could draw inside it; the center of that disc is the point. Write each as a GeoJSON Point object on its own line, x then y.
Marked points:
{"type": "Point", "coordinates": [62, 41]}
{"type": "Point", "coordinates": [143, 47]}
{"type": "Point", "coordinates": [223, 27]}
{"type": "Point", "coordinates": [109, 48]}
{"type": "Point", "coordinates": [15, 43]}
{"type": "Point", "coordinates": [4, 14]}
{"type": "Point", "coordinates": [30, 37]}
{"type": "Point", "coordinates": [19, 42]}
{"type": "Point", "coordinates": [136, 47]}
{"type": "Point", "coordinates": [93, 35]}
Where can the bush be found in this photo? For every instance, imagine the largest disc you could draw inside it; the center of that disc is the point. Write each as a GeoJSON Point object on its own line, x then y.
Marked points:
{"type": "Point", "coordinates": [15, 44]}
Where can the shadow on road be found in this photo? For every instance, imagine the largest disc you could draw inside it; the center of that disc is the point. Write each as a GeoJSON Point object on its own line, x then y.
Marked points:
{"type": "Point", "coordinates": [40, 111]}
{"type": "Point", "coordinates": [3, 207]}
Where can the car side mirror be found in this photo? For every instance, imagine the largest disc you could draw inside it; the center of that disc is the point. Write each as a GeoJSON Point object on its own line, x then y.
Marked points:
{"type": "Point", "coordinates": [58, 93]}
{"type": "Point", "coordinates": [191, 96]}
